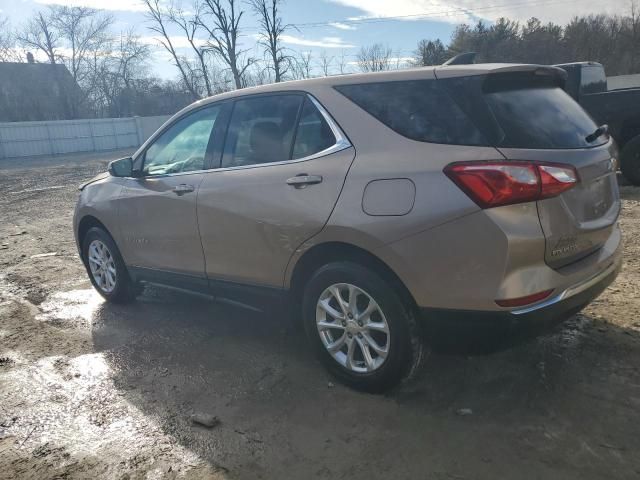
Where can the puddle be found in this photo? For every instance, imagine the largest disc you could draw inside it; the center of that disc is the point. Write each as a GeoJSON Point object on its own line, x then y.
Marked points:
{"type": "Point", "coordinates": [61, 414]}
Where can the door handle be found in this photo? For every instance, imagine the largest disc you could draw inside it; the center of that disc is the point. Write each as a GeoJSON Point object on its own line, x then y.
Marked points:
{"type": "Point", "coordinates": [303, 179]}
{"type": "Point", "coordinates": [182, 189]}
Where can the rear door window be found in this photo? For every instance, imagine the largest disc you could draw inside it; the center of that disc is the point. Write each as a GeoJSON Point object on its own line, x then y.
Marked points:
{"type": "Point", "coordinates": [314, 134]}
{"type": "Point", "coordinates": [418, 109]}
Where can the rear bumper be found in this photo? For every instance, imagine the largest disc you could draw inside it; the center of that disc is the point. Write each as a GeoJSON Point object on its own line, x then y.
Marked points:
{"type": "Point", "coordinates": [451, 326]}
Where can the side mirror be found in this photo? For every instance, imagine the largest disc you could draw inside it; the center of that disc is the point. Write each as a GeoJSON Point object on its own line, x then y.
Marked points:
{"type": "Point", "coordinates": [122, 167]}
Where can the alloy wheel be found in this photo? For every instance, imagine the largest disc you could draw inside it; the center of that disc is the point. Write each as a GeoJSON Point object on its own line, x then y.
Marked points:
{"type": "Point", "coordinates": [102, 266]}
{"type": "Point", "coordinates": [352, 327]}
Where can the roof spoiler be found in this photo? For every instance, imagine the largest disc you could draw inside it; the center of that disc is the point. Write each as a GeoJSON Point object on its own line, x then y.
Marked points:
{"type": "Point", "coordinates": [466, 58]}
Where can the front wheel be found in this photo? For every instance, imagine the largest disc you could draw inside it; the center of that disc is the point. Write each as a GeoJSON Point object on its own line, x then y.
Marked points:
{"type": "Point", "coordinates": [630, 161]}
{"type": "Point", "coordinates": [360, 328]}
{"type": "Point", "coordinates": [105, 267]}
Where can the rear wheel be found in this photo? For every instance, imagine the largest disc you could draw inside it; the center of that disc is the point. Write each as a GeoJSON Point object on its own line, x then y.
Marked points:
{"type": "Point", "coordinates": [360, 328]}
{"type": "Point", "coordinates": [630, 161]}
{"type": "Point", "coordinates": [105, 267]}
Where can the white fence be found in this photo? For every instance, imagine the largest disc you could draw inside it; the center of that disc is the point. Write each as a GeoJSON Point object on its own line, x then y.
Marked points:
{"type": "Point", "coordinates": [26, 139]}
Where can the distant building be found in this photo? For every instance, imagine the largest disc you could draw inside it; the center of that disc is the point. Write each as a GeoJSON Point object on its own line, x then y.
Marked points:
{"type": "Point", "coordinates": [37, 91]}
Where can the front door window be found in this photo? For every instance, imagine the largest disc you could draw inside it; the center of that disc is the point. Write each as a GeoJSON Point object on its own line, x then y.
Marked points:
{"type": "Point", "coordinates": [183, 147]}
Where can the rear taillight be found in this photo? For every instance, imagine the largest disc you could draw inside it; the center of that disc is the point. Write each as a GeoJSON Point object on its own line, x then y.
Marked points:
{"type": "Point", "coordinates": [491, 184]}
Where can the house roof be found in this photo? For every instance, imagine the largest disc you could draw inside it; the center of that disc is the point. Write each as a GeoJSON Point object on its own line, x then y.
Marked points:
{"type": "Point", "coordinates": [36, 91]}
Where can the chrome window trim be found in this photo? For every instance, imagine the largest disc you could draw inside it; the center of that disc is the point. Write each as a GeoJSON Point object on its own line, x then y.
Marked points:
{"type": "Point", "coordinates": [163, 175]}
{"type": "Point", "coordinates": [342, 143]}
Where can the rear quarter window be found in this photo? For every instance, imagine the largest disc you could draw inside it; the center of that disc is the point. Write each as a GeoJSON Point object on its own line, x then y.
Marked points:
{"type": "Point", "coordinates": [523, 110]}
{"type": "Point", "coordinates": [417, 109]}
{"type": "Point", "coordinates": [540, 118]}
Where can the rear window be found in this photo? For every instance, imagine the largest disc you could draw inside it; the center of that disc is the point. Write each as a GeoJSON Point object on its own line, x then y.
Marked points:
{"type": "Point", "coordinates": [417, 109]}
{"type": "Point", "coordinates": [523, 110]}
{"type": "Point", "coordinates": [593, 79]}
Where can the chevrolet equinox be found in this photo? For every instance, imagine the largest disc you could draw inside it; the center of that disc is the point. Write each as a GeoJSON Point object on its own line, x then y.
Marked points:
{"type": "Point", "coordinates": [459, 193]}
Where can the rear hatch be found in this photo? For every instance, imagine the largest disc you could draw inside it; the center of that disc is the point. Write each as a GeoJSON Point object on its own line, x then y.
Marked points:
{"type": "Point", "coordinates": [527, 116]}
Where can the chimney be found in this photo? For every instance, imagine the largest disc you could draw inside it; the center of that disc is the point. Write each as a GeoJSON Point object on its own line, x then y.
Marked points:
{"type": "Point", "coordinates": [30, 58]}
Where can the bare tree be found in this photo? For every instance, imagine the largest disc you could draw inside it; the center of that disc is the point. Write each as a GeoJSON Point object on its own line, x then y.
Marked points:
{"type": "Point", "coordinates": [189, 27]}
{"type": "Point", "coordinates": [132, 57]}
{"type": "Point", "coordinates": [342, 62]}
{"type": "Point", "coordinates": [271, 36]}
{"type": "Point", "coordinates": [221, 78]}
{"type": "Point", "coordinates": [72, 36]}
{"type": "Point", "coordinates": [8, 52]}
{"type": "Point", "coordinates": [114, 72]}
{"type": "Point", "coordinates": [118, 72]}
{"type": "Point", "coordinates": [159, 19]}
{"type": "Point", "coordinates": [40, 34]}
{"type": "Point", "coordinates": [223, 36]}
{"type": "Point", "coordinates": [83, 31]}
{"type": "Point", "coordinates": [301, 65]}
{"type": "Point", "coordinates": [374, 58]}
{"type": "Point", "coordinates": [632, 34]}
{"type": "Point", "coordinates": [398, 59]}
{"type": "Point", "coordinates": [258, 75]}
{"type": "Point", "coordinates": [325, 63]}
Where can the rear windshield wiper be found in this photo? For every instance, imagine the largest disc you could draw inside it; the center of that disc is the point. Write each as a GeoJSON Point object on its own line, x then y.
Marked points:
{"type": "Point", "coordinates": [601, 130]}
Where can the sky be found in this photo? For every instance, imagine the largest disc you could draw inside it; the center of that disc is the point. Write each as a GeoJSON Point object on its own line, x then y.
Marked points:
{"type": "Point", "coordinates": [339, 27]}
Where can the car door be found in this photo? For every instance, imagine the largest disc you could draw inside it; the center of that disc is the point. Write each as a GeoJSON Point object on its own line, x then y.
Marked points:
{"type": "Point", "coordinates": [157, 211]}
{"type": "Point", "coordinates": [283, 167]}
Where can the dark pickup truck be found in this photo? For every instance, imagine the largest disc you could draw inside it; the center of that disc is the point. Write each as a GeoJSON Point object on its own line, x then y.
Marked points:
{"type": "Point", "coordinates": [619, 109]}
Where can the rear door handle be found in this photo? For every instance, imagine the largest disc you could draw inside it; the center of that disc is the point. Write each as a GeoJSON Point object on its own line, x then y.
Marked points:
{"type": "Point", "coordinates": [303, 179]}
{"type": "Point", "coordinates": [183, 188]}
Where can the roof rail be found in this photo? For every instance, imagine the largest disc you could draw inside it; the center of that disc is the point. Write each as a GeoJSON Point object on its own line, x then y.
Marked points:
{"type": "Point", "coordinates": [466, 58]}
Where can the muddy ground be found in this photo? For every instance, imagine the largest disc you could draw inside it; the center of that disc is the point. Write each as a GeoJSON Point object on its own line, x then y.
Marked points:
{"type": "Point", "coordinates": [90, 390]}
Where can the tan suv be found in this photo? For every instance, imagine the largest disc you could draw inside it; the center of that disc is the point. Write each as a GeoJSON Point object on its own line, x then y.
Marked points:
{"type": "Point", "coordinates": [478, 193]}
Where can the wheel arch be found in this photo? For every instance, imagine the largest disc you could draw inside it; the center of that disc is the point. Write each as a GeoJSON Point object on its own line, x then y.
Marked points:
{"type": "Point", "coordinates": [629, 130]}
{"type": "Point", "coordinates": [334, 251]}
{"type": "Point", "coordinates": [85, 224]}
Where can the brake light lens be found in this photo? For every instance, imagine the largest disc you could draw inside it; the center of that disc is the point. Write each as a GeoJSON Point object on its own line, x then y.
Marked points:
{"type": "Point", "coordinates": [492, 184]}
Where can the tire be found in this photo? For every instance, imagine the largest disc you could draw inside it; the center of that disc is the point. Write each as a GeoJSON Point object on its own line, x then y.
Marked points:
{"type": "Point", "coordinates": [630, 161]}
{"type": "Point", "coordinates": [405, 349]}
{"type": "Point", "coordinates": [118, 288]}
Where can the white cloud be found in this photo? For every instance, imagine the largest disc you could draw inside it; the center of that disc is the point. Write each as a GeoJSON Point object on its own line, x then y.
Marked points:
{"type": "Point", "coordinates": [408, 9]}
{"type": "Point", "coordinates": [177, 41]}
{"type": "Point", "coordinates": [325, 42]}
{"type": "Point", "coordinates": [115, 5]}
{"type": "Point", "coordinates": [458, 11]}
{"type": "Point", "coordinates": [342, 26]}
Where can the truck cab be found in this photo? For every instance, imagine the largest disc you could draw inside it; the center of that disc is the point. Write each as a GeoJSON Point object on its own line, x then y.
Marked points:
{"type": "Point", "coordinates": [619, 109]}
{"type": "Point", "coordinates": [584, 78]}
